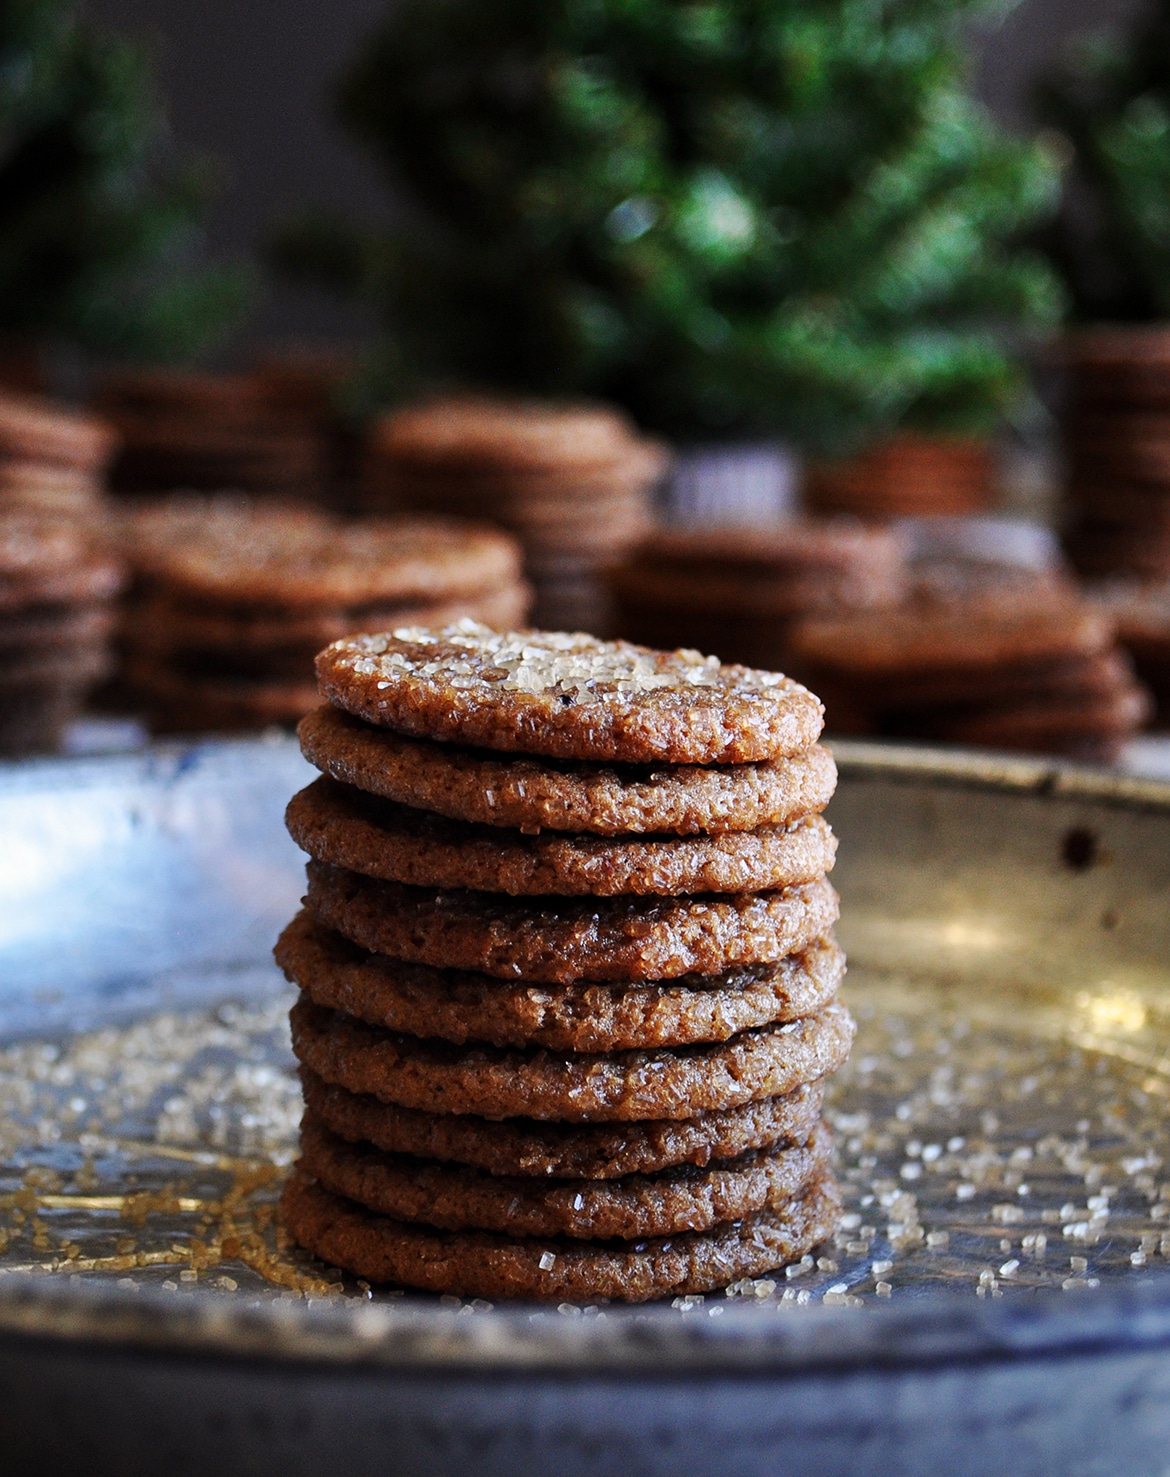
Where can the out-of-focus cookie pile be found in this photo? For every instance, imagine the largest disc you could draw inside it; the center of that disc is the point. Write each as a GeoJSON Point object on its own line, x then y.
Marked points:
{"type": "Point", "coordinates": [233, 597]}
{"type": "Point", "coordinates": [259, 519]}
{"type": "Point", "coordinates": [571, 482]}
{"type": "Point", "coordinates": [568, 971]}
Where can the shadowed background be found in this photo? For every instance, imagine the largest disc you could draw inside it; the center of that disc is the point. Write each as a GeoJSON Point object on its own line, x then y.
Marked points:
{"type": "Point", "coordinates": [249, 84]}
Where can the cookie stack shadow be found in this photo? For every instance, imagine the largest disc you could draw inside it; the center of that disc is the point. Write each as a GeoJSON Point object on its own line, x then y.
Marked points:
{"type": "Point", "coordinates": [569, 982]}
{"type": "Point", "coordinates": [234, 596]}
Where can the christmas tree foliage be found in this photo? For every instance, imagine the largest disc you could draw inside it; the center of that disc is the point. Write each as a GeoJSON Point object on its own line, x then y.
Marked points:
{"type": "Point", "coordinates": [1112, 103]}
{"type": "Point", "coordinates": [735, 217]}
{"type": "Point", "coordinates": [96, 247]}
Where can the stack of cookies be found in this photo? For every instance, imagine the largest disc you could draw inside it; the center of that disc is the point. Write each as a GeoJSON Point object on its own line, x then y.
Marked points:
{"type": "Point", "coordinates": [571, 482]}
{"type": "Point", "coordinates": [568, 972]}
{"type": "Point", "coordinates": [737, 591]}
{"type": "Point", "coordinates": [983, 656]}
{"type": "Point", "coordinates": [56, 592]}
{"type": "Point", "coordinates": [209, 433]}
{"type": "Point", "coordinates": [234, 597]}
{"type": "Point", "coordinates": [906, 476]}
{"type": "Point", "coordinates": [52, 460]}
{"type": "Point", "coordinates": [1116, 434]}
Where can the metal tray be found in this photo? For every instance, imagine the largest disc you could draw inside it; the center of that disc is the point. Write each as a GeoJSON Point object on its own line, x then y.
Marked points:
{"type": "Point", "coordinates": [999, 1297]}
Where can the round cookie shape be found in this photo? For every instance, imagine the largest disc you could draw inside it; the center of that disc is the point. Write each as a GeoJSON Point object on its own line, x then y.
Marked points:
{"type": "Point", "coordinates": [436, 1077]}
{"type": "Point", "coordinates": [531, 795]}
{"type": "Point", "coordinates": [554, 1269]}
{"type": "Point", "coordinates": [167, 624]}
{"type": "Point", "coordinates": [296, 559]}
{"type": "Point", "coordinates": [561, 940]}
{"type": "Point", "coordinates": [456, 1198]}
{"type": "Point", "coordinates": [568, 696]}
{"type": "Point", "coordinates": [592, 1151]}
{"type": "Point", "coordinates": [336, 823]}
{"type": "Point", "coordinates": [417, 1000]}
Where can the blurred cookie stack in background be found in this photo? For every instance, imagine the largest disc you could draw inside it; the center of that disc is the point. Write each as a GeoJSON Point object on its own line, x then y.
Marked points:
{"type": "Point", "coordinates": [52, 459]}
{"type": "Point", "coordinates": [233, 597]}
{"type": "Point", "coordinates": [210, 433]}
{"type": "Point", "coordinates": [906, 476]}
{"type": "Point", "coordinates": [573, 483]}
{"type": "Point", "coordinates": [1116, 437]}
{"type": "Point", "coordinates": [982, 654]}
{"type": "Point", "coordinates": [56, 592]}
{"type": "Point", "coordinates": [736, 591]}
{"type": "Point", "coordinates": [568, 972]}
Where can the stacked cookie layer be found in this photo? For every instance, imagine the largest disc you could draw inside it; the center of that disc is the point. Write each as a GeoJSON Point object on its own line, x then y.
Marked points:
{"type": "Point", "coordinates": [738, 591]}
{"type": "Point", "coordinates": [1003, 660]}
{"type": "Point", "coordinates": [571, 482]}
{"type": "Point", "coordinates": [1116, 434]}
{"type": "Point", "coordinates": [208, 433]}
{"type": "Point", "coordinates": [51, 459]}
{"type": "Point", "coordinates": [56, 593]}
{"type": "Point", "coordinates": [906, 476]}
{"type": "Point", "coordinates": [234, 597]}
{"type": "Point", "coordinates": [568, 973]}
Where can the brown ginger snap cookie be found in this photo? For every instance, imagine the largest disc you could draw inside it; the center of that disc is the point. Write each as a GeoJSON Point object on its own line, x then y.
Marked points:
{"type": "Point", "coordinates": [456, 1198]}
{"type": "Point", "coordinates": [459, 1007]}
{"type": "Point", "coordinates": [555, 1269]}
{"type": "Point", "coordinates": [169, 624]}
{"type": "Point", "coordinates": [364, 833]}
{"type": "Point", "coordinates": [243, 551]}
{"type": "Point", "coordinates": [568, 696]}
{"type": "Point", "coordinates": [560, 940]}
{"type": "Point", "coordinates": [594, 1151]}
{"type": "Point", "coordinates": [534, 794]}
{"type": "Point", "coordinates": [436, 1077]}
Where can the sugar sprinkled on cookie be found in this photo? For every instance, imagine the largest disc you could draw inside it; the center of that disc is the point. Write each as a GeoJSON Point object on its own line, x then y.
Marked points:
{"type": "Point", "coordinates": [568, 695]}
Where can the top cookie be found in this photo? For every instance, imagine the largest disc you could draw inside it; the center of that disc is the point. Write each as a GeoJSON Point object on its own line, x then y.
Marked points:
{"type": "Point", "coordinates": [568, 696]}
{"type": "Point", "coordinates": [512, 434]}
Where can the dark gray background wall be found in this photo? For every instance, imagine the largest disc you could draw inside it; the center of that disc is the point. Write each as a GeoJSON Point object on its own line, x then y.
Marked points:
{"type": "Point", "coordinates": [247, 80]}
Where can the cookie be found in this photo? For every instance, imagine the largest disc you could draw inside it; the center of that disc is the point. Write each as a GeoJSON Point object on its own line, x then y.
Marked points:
{"type": "Point", "coordinates": [167, 624]}
{"type": "Point", "coordinates": [456, 1007]}
{"type": "Point", "coordinates": [36, 429]}
{"type": "Point", "coordinates": [436, 1077]}
{"type": "Point", "coordinates": [50, 627]}
{"type": "Point", "coordinates": [515, 435]}
{"type": "Point", "coordinates": [338, 824]}
{"type": "Point", "coordinates": [948, 638]}
{"type": "Point", "coordinates": [557, 941]}
{"type": "Point", "coordinates": [568, 696]}
{"type": "Point", "coordinates": [457, 1198]}
{"type": "Point", "coordinates": [554, 1269]}
{"type": "Point", "coordinates": [533, 795]}
{"type": "Point", "coordinates": [240, 554]}
{"type": "Point", "coordinates": [593, 1151]}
